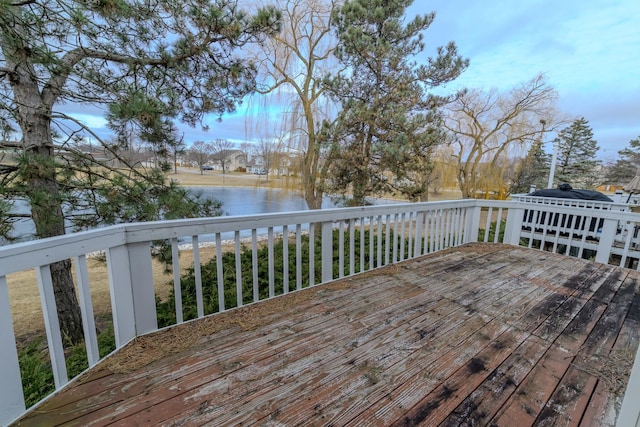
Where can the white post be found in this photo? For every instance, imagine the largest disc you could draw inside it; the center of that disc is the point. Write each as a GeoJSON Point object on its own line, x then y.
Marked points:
{"type": "Point", "coordinates": [472, 224]}
{"type": "Point", "coordinates": [513, 228]}
{"type": "Point", "coordinates": [132, 291]}
{"type": "Point", "coordinates": [11, 396]}
{"type": "Point", "coordinates": [605, 243]}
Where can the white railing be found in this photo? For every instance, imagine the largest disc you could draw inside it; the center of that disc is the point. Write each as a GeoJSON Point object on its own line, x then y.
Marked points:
{"type": "Point", "coordinates": [576, 203]}
{"type": "Point", "coordinates": [343, 242]}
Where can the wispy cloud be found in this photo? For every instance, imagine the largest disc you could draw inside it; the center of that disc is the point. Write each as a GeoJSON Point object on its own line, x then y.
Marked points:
{"type": "Point", "coordinates": [588, 51]}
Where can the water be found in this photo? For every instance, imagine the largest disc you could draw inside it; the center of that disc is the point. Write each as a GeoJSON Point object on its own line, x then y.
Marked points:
{"type": "Point", "coordinates": [235, 201]}
{"type": "Point", "coordinates": [252, 201]}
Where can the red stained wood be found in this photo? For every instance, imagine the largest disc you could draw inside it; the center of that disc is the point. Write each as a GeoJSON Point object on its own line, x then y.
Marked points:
{"type": "Point", "coordinates": [479, 335]}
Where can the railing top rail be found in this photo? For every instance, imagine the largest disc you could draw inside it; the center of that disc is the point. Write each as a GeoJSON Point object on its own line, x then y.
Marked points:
{"type": "Point", "coordinates": [569, 202]}
{"type": "Point", "coordinates": [46, 251]}
{"type": "Point", "coordinates": [52, 249]}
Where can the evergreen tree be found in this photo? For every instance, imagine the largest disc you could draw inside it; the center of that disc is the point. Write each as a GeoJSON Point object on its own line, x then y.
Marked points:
{"type": "Point", "coordinates": [627, 166]}
{"type": "Point", "coordinates": [145, 62]}
{"type": "Point", "coordinates": [577, 164]}
{"type": "Point", "coordinates": [533, 170]}
{"type": "Point", "coordinates": [387, 115]}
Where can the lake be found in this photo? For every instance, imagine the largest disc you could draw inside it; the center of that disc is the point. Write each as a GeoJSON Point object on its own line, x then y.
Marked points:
{"type": "Point", "coordinates": [252, 201]}
{"type": "Point", "coordinates": [235, 201]}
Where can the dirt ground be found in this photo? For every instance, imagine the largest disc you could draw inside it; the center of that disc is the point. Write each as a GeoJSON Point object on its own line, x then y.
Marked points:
{"type": "Point", "coordinates": [23, 289]}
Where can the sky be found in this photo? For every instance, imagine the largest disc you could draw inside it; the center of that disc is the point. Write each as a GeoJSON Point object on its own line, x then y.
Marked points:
{"type": "Point", "coordinates": [589, 51]}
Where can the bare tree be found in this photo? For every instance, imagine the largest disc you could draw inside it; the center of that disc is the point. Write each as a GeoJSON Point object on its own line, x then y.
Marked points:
{"type": "Point", "coordinates": [293, 64]}
{"type": "Point", "coordinates": [221, 151]}
{"type": "Point", "coordinates": [489, 127]}
{"type": "Point", "coordinates": [200, 153]}
{"type": "Point", "coordinates": [266, 149]}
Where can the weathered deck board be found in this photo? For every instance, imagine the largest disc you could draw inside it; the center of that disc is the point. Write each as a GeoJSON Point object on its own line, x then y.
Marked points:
{"type": "Point", "coordinates": [479, 335]}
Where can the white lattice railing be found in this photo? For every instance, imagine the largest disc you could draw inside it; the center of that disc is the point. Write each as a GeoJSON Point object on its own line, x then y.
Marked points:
{"type": "Point", "coordinates": [344, 242]}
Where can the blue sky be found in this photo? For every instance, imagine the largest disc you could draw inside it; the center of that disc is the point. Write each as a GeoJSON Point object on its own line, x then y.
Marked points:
{"type": "Point", "coordinates": [589, 51]}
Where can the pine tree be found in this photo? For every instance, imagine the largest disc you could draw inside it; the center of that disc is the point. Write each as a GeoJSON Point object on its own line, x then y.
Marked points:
{"type": "Point", "coordinates": [627, 166]}
{"type": "Point", "coordinates": [533, 170]}
{"type": "Point", "coordinates": [145, 63]}
{"type": "Point", "coordinates": [577, 164]}
{"type": "Point", "coordinates": [388, 115]}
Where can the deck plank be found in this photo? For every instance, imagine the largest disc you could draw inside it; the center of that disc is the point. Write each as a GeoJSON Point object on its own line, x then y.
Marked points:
{"type": "Point", "coordinates": [484, 334]}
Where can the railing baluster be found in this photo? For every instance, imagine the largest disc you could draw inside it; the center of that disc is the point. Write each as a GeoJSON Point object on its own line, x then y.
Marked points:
{"type": "Point", "coordinates": [396, 238]}
{"type": "Point", "coordinates": [387, 238]}
{"type": "Point", "coordinates": [411, 235]}
{"type": "Point", "coordinates": [86, 309]}
{"type": "Point", "coordinates": [432, 231]}
{"type": "Point", "coordinates": [449, 228]}
{"type": "Point", "coordinates": [417, 245]}
{"type": "Point", "coordinates": [254, 264]}
{"type": "Point", "coordinates": [352, 249]}
{"type": "Point", "coordinates": [487, 226]}
{"type": "Point", "coordinates": [298, 256]}
{"type": "Point", "coordinates": [570, 237]}
{"type": "Point", "coordinates": [326, 252]}
{"type": "Point", "coordinates": [220, 273]}
{"type": "Point", "coordinates": [462, 220]}
{"type": "Point", "coordinates": [427, 222]}
{"type": "Point", "coordinates": [52, 327]}
{"type": "Point", "coordinates": [438, 232]}
{"type": "Point", "coordinates": [197, 271]}
{"type": "Point", "coordinates": [312, 254]}
{"type": "Point", "coordinates": [239, 296]}
{"type": "Point", "coordinates": [403, 228]}
{"type": "Point", "coordinates": [379, 238]}
{"type": "Point", "coordinates": [271, 263]}
{"type": "Point", "coordinates": [177, 289]}
{"type": "Point", "coordinates": [285, 259]}
{"type": "Point", "coordinates": [496, 237]}
{"type": "Point", "coordinates": [362, 252]}
{"type": "Point", "coordinates": [584, 236]}
{"type": "Point", "coordinates": [456, 221]}
{"type": "Point", "coordinates": [340, 249]}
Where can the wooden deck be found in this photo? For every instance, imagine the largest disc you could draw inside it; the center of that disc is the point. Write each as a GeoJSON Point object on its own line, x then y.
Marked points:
{"type": "Point", "coordinates": [479, 335]}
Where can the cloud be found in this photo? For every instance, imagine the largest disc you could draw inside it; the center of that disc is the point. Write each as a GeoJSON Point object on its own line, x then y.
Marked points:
{"type": "Point", "coordinates": [587, 50]}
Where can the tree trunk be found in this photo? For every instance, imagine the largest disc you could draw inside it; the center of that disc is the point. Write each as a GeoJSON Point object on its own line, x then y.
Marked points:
{"type": "Point", "coordinates": [46, 211]}
{"type": "Point", "coordinates": [311, 172]}
{"type": "Point", "coordinates": [312, 195]}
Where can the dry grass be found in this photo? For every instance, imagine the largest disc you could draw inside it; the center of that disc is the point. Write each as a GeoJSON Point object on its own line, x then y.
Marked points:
{"type": "Point", "coordinates": [193, 178]}
{"type": "Point", "coordinates": [613, 368]}
{"type": "Point", "coordinates": [25, 298]}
